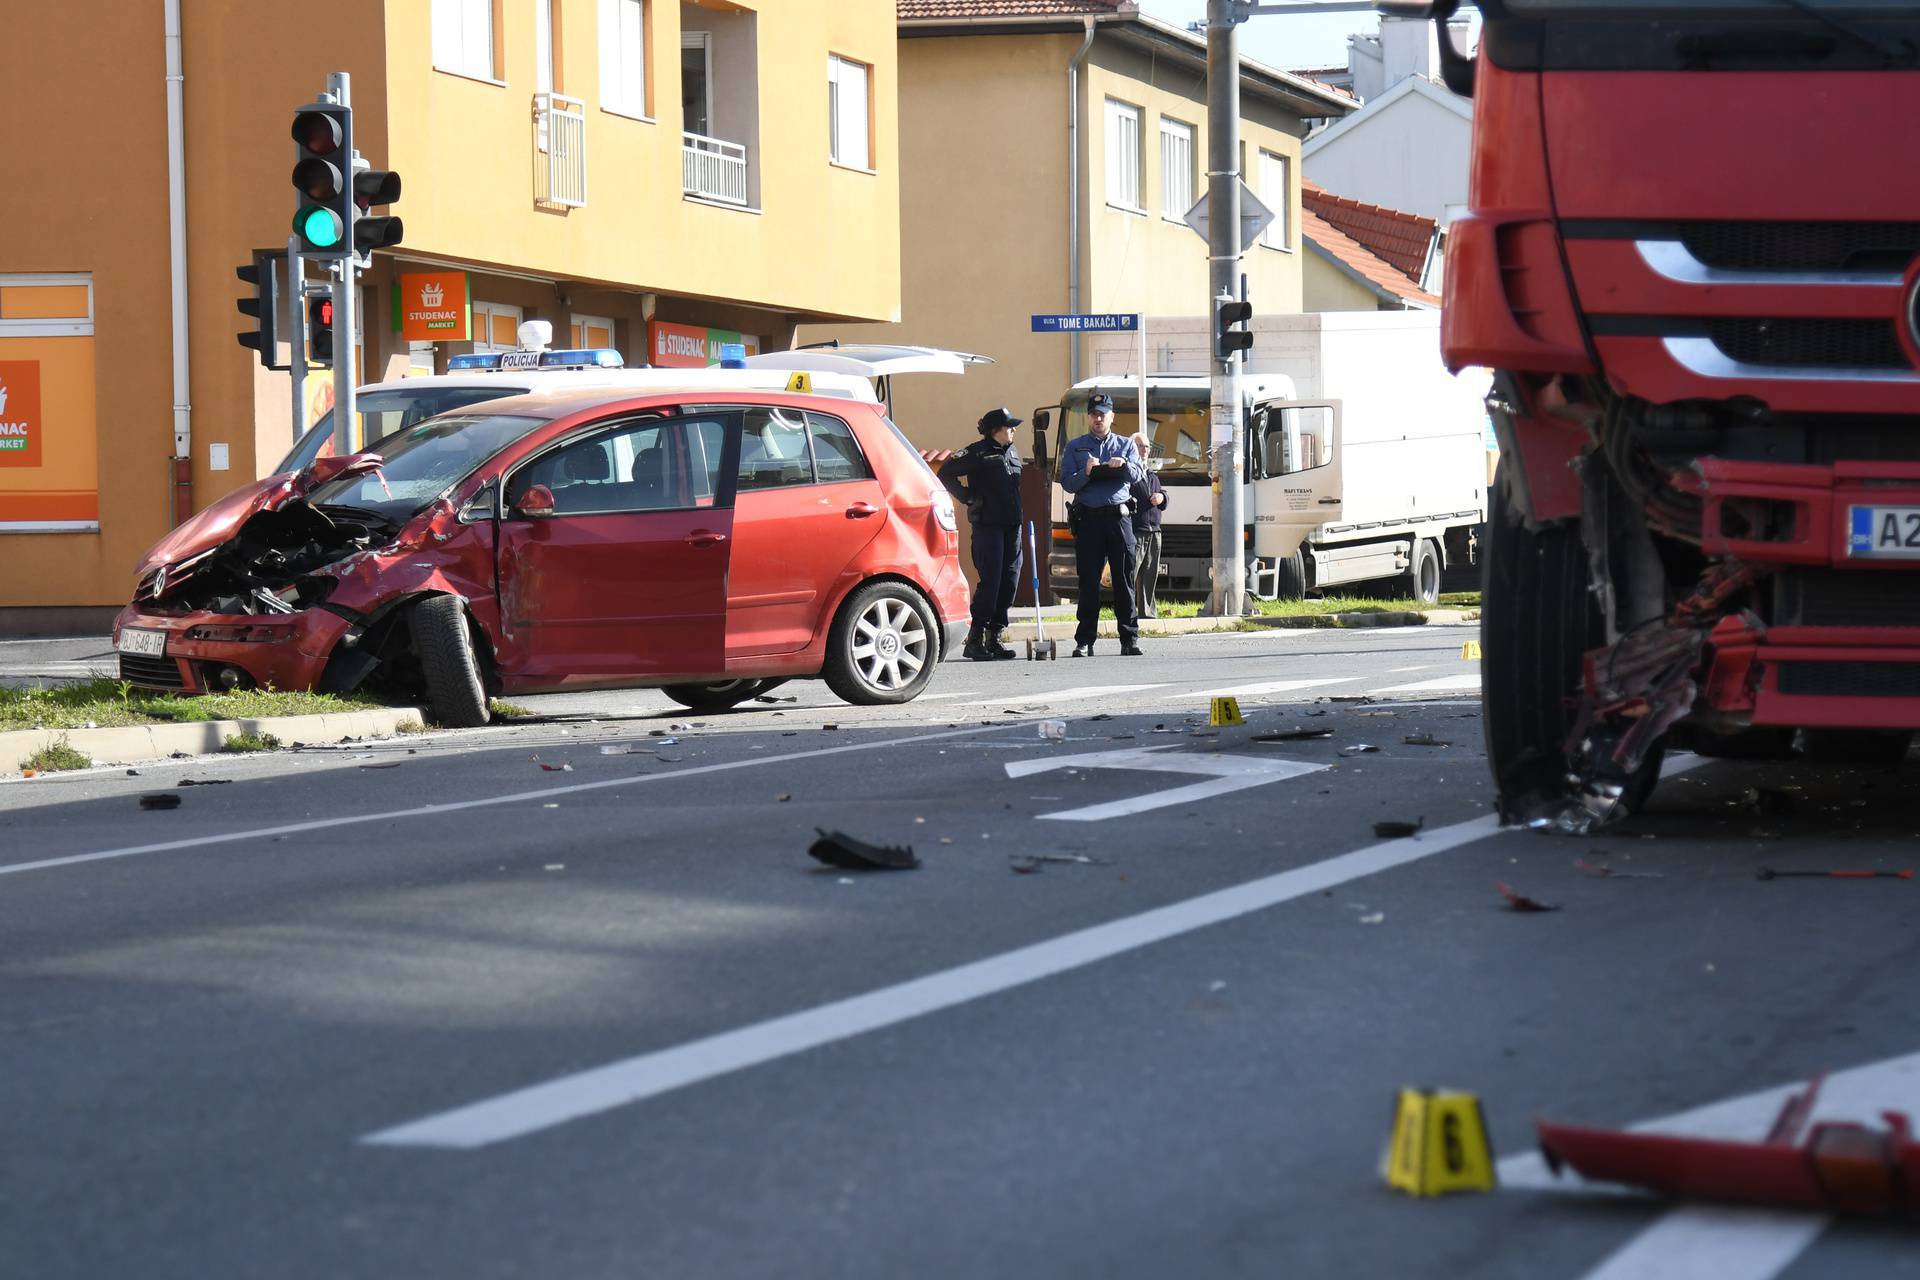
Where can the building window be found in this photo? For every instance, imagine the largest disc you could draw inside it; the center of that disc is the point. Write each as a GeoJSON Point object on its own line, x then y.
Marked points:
{"type": "Point", "coordinates": [496, 326]}
{"type": "Point", "coordinates": [463, 37]}
{"type": "Point", "coordinates": [593, 332]}
{"type": "Point", "coordinates": [623, 56]}
{"type": "Point", "coordinates": [1123, 155]}
{"type": "Point", "coordinates": [1273, 194]}
{"type": "Point", "coordinates": [849, 107]}
{"type": "Point", "coordinates": [1176, 168]}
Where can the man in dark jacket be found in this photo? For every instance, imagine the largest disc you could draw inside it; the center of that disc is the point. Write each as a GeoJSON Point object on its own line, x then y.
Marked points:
{"type": "Point", "coordinates": [986, 476]}
{"type": "Point", "coordinates": [1148, 501]}
{"type": "Point", "coordinates": [1099, 469]}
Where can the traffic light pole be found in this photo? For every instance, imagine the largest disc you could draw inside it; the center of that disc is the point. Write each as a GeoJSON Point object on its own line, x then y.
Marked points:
{"type": "Point", "coordinates": [344, 419]}
{"type": "Point", "coordinates": [1228, 432]}
{"type": "Point", "coordinates": [297, 333]}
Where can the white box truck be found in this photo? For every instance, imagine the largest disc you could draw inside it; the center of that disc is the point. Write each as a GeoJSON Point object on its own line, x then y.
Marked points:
{"type": "Point", "coordinates": [1366, 460]}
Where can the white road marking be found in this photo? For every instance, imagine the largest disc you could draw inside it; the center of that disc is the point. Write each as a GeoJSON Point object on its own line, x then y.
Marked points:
{"type": "Point", "coordinates": [1718, 1243]}
{"type": "Point", "coordinates": [1257, 690]}
{"type": "Point", "coordinates": [1444, 683]}
{"type": "Point", "coordinates": [429, 810]}
{"type": "Point", "coordinates": [647, 1075]}
{"type": "Point", "coordinates": [936, 697]}
{"type": "Point", "coordinates": [1062, 695]}
{"type": "Point", "coordinates": [1400, 671]}
{"type": "Point", "coordinates": [1226, 773]}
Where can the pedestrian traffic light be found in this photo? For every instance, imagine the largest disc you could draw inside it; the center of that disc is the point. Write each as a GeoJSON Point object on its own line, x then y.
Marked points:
{"type": "Point", "coordinates": [320, 331]}
{"type": "Point", "coordinates": [323, 143]}
{"type": "Point", "coordinates": [264, 306]}
{"type": "Point", "coordinates": [1230, 340]}
{"type": "Point", "coordinates": [373, 187]}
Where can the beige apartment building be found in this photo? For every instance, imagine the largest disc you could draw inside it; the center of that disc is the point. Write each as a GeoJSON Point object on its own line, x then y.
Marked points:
{"type": "Point", "coordinates": [660, 176]}
{"type": "Point", "coordinates": [1049, 150]}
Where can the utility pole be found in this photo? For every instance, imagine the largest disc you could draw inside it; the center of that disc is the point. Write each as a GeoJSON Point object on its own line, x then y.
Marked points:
{"type": "Point", "coordinates": [1227, 437]}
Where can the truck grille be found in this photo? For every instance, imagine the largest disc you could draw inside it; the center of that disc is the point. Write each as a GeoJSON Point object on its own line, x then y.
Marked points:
{"type": "Point", "coordinates": [1851, 679]}
{"type": "Point", "coordinates": [1186, 541]}
{"type": "Point", "coordinates": [1837, 598]}
{"type": "Point", "coordinates": [1810, 343]}
{"type": "Point", "coordinates": [1803, 246]}
{"type": "Point", "coordinates": [151, 673]}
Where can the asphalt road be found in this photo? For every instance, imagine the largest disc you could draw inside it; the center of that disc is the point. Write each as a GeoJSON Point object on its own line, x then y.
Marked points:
{"type": "Point", "coordinates": [426, 1008]}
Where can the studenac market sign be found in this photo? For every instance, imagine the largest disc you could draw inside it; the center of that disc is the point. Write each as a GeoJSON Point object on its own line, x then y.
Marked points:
{"type": "Point", "coordinates": [685, 346]}
{"type": "Point", "coordinates": [432, 306]}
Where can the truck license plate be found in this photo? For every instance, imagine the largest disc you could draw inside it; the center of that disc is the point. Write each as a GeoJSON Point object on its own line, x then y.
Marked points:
{"type": "Point", "coordinates": [135, 640]}
{"type": "Point", "coordinates": [1887, 533]}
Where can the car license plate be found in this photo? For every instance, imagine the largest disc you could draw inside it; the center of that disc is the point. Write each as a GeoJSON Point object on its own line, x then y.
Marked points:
{"type": "Point", "coordinates": [135, 640]}
{"type": "Point", "coordinates": [1887, 533]}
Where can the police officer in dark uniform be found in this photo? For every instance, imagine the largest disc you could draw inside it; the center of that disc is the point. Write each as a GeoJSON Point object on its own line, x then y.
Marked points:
{"type": "Point", "coordinates": [986, 475]}
{"type": "Point", "coordinates": [1098, 470]}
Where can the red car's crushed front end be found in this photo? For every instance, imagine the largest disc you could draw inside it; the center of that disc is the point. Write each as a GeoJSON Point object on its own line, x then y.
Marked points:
{"type": "Point", "coordinates": [1708, 392]}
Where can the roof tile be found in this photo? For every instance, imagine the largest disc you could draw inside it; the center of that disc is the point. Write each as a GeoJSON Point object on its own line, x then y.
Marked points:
{"type": "Point", "coordinates": [912, 9]}
{"type": "Point", "coordinates": [1357, 256]}
{"type": "Point", "coordinates": [1402, 239]}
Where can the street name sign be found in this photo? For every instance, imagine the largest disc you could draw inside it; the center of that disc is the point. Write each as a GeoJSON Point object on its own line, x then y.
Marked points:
{"type": "Point", "coordinates": [1109, 322]}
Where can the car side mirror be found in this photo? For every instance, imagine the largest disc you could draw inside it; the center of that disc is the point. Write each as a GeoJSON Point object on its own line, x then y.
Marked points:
{"type": "Point", "coordinates": [535, 504]}
{"type": "Point", "coordinates": [479, 507]}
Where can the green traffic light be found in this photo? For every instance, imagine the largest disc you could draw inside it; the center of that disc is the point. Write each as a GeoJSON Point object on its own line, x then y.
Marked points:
{"type": "Point", "coordinates": [320, 228]}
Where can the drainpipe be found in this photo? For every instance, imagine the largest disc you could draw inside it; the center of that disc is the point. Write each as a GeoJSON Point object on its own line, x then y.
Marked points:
{"type": "Point", "coordinates": [1073, 196]}
{"type": "Point", "coordinates": [180, 491]}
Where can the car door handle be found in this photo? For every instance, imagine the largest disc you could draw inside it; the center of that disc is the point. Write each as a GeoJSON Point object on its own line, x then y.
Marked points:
{"type": "Point", "coordinates": [705, 538]}
{"type": "Point", "coordinates": [861, 510]}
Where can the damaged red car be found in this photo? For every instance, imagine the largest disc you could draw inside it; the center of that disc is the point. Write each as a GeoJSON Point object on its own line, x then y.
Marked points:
{"type": "Point", "coordinates": [590, 538]}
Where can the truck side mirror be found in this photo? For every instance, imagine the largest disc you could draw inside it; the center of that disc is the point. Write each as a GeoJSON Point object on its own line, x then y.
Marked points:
{"type": "Point", "coordinates": [1041, 417]}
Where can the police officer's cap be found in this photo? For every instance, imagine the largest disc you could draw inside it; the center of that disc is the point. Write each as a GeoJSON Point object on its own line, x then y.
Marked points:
{"type": "Point", "coordinates": [994, 419]}
{"type": "Point", "coordinates": [1100, 404]}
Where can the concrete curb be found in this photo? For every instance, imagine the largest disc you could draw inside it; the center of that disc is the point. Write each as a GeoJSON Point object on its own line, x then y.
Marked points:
{"type": "Point", "coordinates": [134, 743]}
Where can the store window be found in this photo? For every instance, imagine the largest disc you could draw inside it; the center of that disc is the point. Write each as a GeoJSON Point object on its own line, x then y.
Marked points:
{"type": "Point", "coordinates": [591, 331]}
{"type": "Point", "coordinates": [496, 326]}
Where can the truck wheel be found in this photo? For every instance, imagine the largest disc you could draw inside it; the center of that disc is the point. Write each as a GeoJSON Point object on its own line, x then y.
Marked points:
{"type": "Point", "coordinates": [718, 696]}
{"type": "Point", "coordinates": [1856, 746]}
{"type": "Point", "coordinates": [883, 646]}
{"type": "Point", "coordinates": [440, 636]}
{"type": "Point", "coordinates": [1537, 621]}
{"type": "Point", "coordinates": [1290, 577]}
{"type": "Point", "coordinates": [1422, 580]}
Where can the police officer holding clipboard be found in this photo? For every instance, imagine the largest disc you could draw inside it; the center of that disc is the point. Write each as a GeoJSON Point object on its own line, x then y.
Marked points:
{"type": "Point", "coordinates": [1098, 471]}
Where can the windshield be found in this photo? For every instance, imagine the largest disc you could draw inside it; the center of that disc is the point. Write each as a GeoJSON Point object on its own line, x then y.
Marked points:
{"type": "Point", "coordinates": [423, 463]}
{"type": "Point", "coordinates": [382, 413]}
{"type": "Point", "coordinates": [1176, 423]}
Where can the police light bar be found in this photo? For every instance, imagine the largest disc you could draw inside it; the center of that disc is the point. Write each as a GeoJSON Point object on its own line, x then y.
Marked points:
{"type": "Point", "coordinates": [582, 358]}
{"type": "Point", "coordinates": [461, 364]}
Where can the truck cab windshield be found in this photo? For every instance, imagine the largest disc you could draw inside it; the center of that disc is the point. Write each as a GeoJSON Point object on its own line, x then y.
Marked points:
{"type": "Point", "coordinates": [1176, 423]}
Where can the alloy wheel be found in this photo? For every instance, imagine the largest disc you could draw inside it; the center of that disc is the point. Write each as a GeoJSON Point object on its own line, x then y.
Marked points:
{"type": "Point", "coordinates": [890, 644]}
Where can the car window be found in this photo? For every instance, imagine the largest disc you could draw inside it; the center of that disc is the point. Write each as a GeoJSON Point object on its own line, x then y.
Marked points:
{"type": "Point", "coordinates": [773, 449]}
{"type": "Point", "coordinates": [836, 454]}
{"type": "Point", "coordinates": [422, 463]}
{"type": "Point", "coordinates": [386, 413]}
{"type": "Point", "coordinates": [649, 465]}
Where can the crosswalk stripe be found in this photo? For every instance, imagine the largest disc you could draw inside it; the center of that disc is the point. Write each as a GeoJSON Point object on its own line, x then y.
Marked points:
{"type": "Point", "coordinates": [1271, 686]}
{"type": "Point", "coordinates": [1435, 686]}
{"type": "Point", "coordinates": [1061, 695]}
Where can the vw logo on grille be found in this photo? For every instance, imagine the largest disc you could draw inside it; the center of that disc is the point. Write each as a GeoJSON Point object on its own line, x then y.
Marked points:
{"type": "Point", "coordinates": [160, 581]}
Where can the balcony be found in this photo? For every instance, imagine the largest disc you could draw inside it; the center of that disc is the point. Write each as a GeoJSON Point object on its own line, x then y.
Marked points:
{"type": "Point", "coordinates": [712, 169]}
{"type": "Point", "coordinates": [560, 150]}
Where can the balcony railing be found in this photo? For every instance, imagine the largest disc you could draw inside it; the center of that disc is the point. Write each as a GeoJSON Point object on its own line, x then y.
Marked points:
{"type": "Point", "coordinates": [560, 134]}
{"type": "Point", "coordinates": [713, 169]}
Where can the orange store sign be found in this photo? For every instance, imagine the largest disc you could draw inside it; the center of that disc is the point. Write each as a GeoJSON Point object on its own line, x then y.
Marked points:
{"type": "Point", "coordinates": [433, 306]}
{"type": "Point", "coordinates": [20, 425]}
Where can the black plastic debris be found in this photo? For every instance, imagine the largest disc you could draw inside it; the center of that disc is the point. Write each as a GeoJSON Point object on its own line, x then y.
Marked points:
{"type": "Point", "coordinates": [768, 697]}
{"type": "Point", "coordinates": [1293, 735]}
{"type": "Point", "coordinates": [390, 764]}
{"type": "Point", "coordinates": [1424, 740]}
{"type": "Point", "coordinates": [133, 773]}
{"type": "Point", "coordinates": [1602, 871]}
{"type": "Point", "coordinates": [164, 800]}
{"type": "Point", "coordinates": [1517, 901]}
{"type": "Point", "coordinates": [1392, 830]}
{"type": "Point", "coordinates": [203, 782]}
{"type": "Point", "coordinates": [1024, 866]}
{"type": "Point", "coordinates": [838, 849]}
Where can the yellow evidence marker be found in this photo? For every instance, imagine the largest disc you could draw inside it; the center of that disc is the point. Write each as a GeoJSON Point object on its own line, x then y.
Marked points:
{"type": "Point", "coordinates": [1470, 651]}
{"type": "Point", "coordinates": [1225, 711]}
{"type": "Point", "coordinates": [1439, 1144]}
{"type": "Point", "coordinates": [801, 381]}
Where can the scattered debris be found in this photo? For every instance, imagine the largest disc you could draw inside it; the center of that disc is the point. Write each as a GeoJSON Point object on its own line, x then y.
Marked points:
{"type": "Point", "coordinates": [1053, 730]}
{"type": "Point", "coordinates": [1602, 869]}
{"type": "Point", "coordinates": [1292, 735]}
{"type": "Point", "coordinates": [1079, 859]}
{"type": "Point", "coordinates": [828, 728]}
{"type": "Point", "coordinates": [556, 866]}
{"type": "Point", "coordinates": [164, 800]}
{"type": "Point", "coordinates": [783, 797]}
{"type": "Point", "coordinates": [133, 773]}
{"type": "Point", "coordinates": [843, 880]}
{"type": "Point", "coordinates": [556, 768]}
{"type": "Point", "coordinates": [203, 782]}
{"type": "Point", "coordinates": [1378, 917]}
{"type": "Point", "coordinates": [1424, 740]}
{"type": "Point", "coordinates": [1768, 802]}
{"type": "Point", "coordinates": [681, 727]}
{"type": "Point", "coordinates": [1397, 830]}
{"type": "Point", "coordinates": [1520, 902]}
{"type": "Point", "coordinates": [838, 849]}
{"type": "Point", "coordinates": [1360, 749]}
{"type": "Point", "coordinates": [1023, 866]}
{"type": "Point", "coordinates": [768, 697]}
{"type": "Point", "coordinates": [1768, 873]}
{"type": "Point", "coordinates": [390, 764]}
{"type": "Point", "coordinates": [1216, 985]}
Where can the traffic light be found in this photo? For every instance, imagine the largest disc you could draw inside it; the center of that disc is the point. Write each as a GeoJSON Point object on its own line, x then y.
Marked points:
{"type": "Point", "coordinates": [1229, 340]}
{"type": "Point", "coordinates": [320, 331]}
{"type": "Point", "coordinates": [264, 306]}
{"type": "Point", "coordinates": [323, 145]}
{"type": "Point", "coordinates": [373, 187]}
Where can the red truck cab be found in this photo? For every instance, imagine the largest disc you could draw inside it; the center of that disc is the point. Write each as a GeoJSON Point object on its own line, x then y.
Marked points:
{"type": "Point", "coordinates": [1692, 257]}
